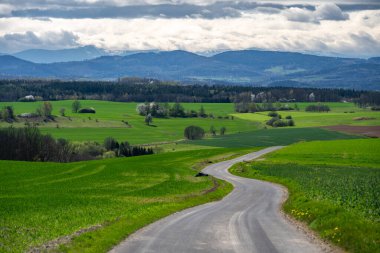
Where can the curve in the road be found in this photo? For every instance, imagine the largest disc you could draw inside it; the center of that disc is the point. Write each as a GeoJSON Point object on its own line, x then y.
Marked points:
{"type": "Point", "coordinates": [247, 220]}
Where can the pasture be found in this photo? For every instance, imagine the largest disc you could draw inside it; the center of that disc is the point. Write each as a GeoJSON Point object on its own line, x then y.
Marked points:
{"type": "Point", "coordinates": [40, 202]}
{"type": "Point", "coordinates": [340, 114]}
{"type": "Point", "coordinates": [334, 187]}
{"type": "Point", "coordinates": [107, 121]}
{"type": "Point", "coordinates": [109, 117]}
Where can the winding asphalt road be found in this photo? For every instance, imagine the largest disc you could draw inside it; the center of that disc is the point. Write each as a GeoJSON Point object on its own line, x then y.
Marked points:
{"type": "Point", "coordinates": [247, 220]}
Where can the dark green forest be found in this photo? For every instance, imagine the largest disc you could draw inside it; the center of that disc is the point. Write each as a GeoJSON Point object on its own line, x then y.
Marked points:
{"type": "Point", "coordinates": [142, 90]}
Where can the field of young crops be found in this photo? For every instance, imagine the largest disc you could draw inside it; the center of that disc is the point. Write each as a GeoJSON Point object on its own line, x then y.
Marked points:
{"type": "Point", "coordinates": [334, 186]}
{"type": "Point", "coordinates": [40, 202]}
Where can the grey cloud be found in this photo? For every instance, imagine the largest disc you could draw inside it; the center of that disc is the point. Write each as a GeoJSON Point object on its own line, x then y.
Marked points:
{"type": "Point", "coordinates": [226, 9]}
{"type": "Point", "coordinates": [328, 11]}
{"type": "Point", "coordinates": [173, 9]}
{"type": "Point", "coordinates": [50, 40]}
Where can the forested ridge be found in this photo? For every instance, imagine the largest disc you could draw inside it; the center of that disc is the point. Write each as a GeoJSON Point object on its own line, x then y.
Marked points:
{"type": "Point", "coordinates": [142, 90]}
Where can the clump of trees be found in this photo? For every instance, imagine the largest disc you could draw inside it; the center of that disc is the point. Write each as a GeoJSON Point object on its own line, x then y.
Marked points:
{"type": "Point", "coordinates": [7, 114]}
{"type": "Point", "coordinates": [45, 111]}
{"type": "Point", "coordinates": [164, 110]}
{"type": "Point", "coordinates": [368, 98]}
{"type": "Point", "coordinates": [194, 133]}
{"type": "Point", "coordinates": [317, 108]}
{"type": "Point", "coordinates": [277, 121]}
{"type": "Point", "coordinates": [29, 144]}
{"type": "Point", "coordinates": [249, 106]}
{"type": "Point", "coordinates": [154, 109]}
{"type": "Point", "coordinates": [124, 149]}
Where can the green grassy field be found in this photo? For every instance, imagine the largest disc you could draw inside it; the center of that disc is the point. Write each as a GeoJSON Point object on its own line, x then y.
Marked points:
{"type": "Point", "coordinates": [334, 187]}
{"type": "Point", "coordinates": [40, 202]}
{"type": "Point", "coordinates": [108, 122]}
{"type": "Point", "coordinates": [336, 116]}
{"type": "Point", "coordinates": [270, 137]}
{"type": "Point", "coordinates": [109, 115]}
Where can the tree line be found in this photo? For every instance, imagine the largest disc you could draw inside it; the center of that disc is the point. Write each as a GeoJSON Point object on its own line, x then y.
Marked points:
{"type": "Point", "coordinates": [164, 110]}
{"type": "Point", "coordinates": [29, 144]}
{"type": "Point", "coordinates": [142, 90]}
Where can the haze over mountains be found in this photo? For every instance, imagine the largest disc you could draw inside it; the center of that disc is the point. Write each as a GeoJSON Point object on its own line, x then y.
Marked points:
{"type": "Point", "coordinates": [248, 67]}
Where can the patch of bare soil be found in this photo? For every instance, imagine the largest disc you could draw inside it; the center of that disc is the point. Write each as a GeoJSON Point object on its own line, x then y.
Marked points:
{"type": "Point", "coordinates": [370, 131]}
{"type": "Point", "coordinates": [363, 118]}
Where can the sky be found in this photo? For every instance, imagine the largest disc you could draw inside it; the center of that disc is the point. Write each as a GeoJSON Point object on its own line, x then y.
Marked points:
{"type": "Point", "coordinates": [342, 28]}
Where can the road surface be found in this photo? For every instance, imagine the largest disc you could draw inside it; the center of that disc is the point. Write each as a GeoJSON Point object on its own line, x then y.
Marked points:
{"type": "Point", "coordinates": [247, 220]}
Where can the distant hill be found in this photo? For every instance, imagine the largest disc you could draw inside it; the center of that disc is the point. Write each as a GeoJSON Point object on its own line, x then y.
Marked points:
{"type": "Point", "coordinates": [64, 55]}
{"type": "Point", "coordinates": [248, 67]}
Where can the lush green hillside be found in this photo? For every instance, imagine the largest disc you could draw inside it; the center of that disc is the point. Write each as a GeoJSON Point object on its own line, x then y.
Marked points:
{"type": "Point", "coordinates": [109, 117]}
{"type": "Point", "coordinates": [108, 122]}
{"type": "Point", "coordinates": [334, 187]}
{"type": "Point", "coordinates": [40, 202]}
{"type": "Point", "coordinates": [340, 114]}
{"type": "Point", "coordinates": [270, 137]}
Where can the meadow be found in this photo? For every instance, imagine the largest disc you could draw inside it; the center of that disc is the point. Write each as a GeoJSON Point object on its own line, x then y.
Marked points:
{"type": "Point", "coordinates": [107, 121]}
{"type": "Point", "coordinates": [340, 114]}
{"type": "Point", "coordinates": [334, 187]}
{"type": "Point", "coordinates": [40, 202]}
{"type": "Point", "coordinates": [109, 117]}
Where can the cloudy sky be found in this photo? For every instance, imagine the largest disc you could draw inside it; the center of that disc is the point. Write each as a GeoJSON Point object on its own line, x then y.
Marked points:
{"type": "Point", "coordinates": [343, 28]}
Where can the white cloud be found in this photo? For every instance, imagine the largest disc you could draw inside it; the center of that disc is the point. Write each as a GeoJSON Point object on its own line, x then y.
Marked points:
{"type": "Point", "coordinates": [357, 36]}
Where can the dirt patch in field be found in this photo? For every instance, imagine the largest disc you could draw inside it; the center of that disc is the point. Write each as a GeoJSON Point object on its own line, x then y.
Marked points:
{"type": "Point", "coordinates": [364, 118]}
{"type": "Point", "coordinates": [370, 131]}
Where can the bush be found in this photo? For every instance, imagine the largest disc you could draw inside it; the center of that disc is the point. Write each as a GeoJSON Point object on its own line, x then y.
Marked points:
{"type": "Point", "coordinates": [288, 117]}
{"type": "Point", "coordinates": [223, 130]}
{"type": "Point", "coordinates": [87, 110]}
{"type": "Point", "coordinates": [280, 123]}
{"type": "Point", "coordinates": [271, 121]}
{"type": "Point", "coordinates": [273, 114]}
{"type": "Point", "coordinates": [375, 108]}
{"type": "Point", "coordinates": [110, 143]}
{"type": "Point", "coordinates": [88, 151]}
{"type": "Point", "coordinates": [194, 133]}
{"type": "Point", "coordinates": [7, 114]}
{"type": "Point", "coordinates": [291, 122]}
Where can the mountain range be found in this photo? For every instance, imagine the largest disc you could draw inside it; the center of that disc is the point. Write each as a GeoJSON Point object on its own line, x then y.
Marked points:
{"type": "Point", "coordinates": [247, 67]}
